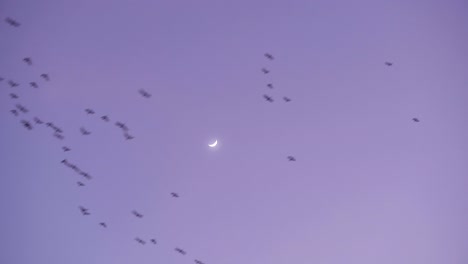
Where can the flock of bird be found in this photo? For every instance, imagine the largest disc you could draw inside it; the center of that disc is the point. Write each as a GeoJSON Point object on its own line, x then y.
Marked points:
{"type": "Point", "coordinates": [21, 110]}
{"type": "Point", "coordinates": [270, 85]}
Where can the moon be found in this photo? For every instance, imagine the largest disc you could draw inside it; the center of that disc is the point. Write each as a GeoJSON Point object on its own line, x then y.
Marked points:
{"type": "Point", "coordinates": [214, 144]}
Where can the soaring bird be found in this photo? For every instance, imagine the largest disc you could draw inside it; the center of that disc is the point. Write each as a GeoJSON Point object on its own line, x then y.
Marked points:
{"type": "Point", "coordinates": [270, 85]}
{"type": "Point", "coordinates": [33, 84]}
{"type": "Point", "coordinates": [13, 96]}
{"type": "Point", "coordinates": [175, 195]}
{"type": "Point", "coordinates": [268, 98]}
{"type": "Point", "coordinates": [269, 56]}
{"type": "Point", "coordinates": [265, 71]}
{"type": "Point", "coordinates": [286, 99]}
{"type": "Point", "coordinates": [291, 158]}
{"type": "Point", "coordinates": [28, 61]}
{"type": "Point", "coordinates": [12, 22]}
{"type": "Point", "coordinates": [415, 119]}
{"type": "Point", "coordinates": [388, 63]}
{"type": "Point", "coordinates": [45, 76]}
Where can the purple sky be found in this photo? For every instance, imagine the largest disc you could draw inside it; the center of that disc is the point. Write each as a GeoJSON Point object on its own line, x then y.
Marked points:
{"type": "Point", "coordinates": [369, 184]}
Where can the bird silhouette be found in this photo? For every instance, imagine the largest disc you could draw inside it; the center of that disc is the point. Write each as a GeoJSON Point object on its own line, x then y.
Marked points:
{"type": "Point", "coordinates": [28, 61]}
{"type": "Point", "coordinates": [12, 22]}
{"type": "Point", "coordinates": [45, 76]}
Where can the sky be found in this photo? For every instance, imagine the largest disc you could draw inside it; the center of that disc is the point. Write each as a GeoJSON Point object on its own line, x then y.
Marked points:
{"type": "Point", "coordinates": [369, 185]}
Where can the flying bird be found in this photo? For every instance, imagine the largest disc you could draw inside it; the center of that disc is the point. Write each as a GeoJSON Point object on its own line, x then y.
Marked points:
{"type": "Point", "coordinates": [139, 240]}
{"type": "Point", "coordinates": [105, 118]}
{"type": "Point", "coordinates": [270, 86]}
{"type": "Point", "coordinates": [175, 195]}
{"type": "Point", "coordinates": [12, 22]}
{"type": "Point", "coordinates": [14, 96]}
{"type": "Point", "coordinates": [22, 108]}
{"type": "Point", "coordinates": [45, 76]}
{"type": "Point", "coordinates": [103, 224]}
{"type": "Point", "coordinates": [144, 93]}
{"type": "Point", "coordinates": [268, 98]}
{"type": "Point", "coordinates": [291, 158]}
{"type": "Point", "coordinates": [84, 131]}
{"type": "Point", "coordinates": [26, 124]}
{"type": "Point", "coordinates": [89, 111]}
{"type": "Point", "coordinates": [14, 111]}
{"type": "Point", "coordinates": [265, 71]}
{"type": "Point", "coordinates": [28, 61]}
{"type": "Point", "coordinates": [12, 83]}
{"type": "Point", "coordinates": [181, 251]}
{"type": "Point", "coordinates": [415, 119]}
{"type": "Point", "coordinates": [33, 84]}
{"type": "Point", "coordinates": [153, 241]}
{"type": "Point", "coordinates": [121, 125]}
{"type": "Point", "coordinates": [198, 262]}
{"type": "Point", "coordinates": [65, 149]}
{"type": "Point", "coordinates": [269, 56]}
{"type": "Point", "coordinates": [80, 184]}
{"type": "Point", "coordinates": [128, 136]}
{"type": "Point", "coordinates": [59, 136]}
{"type": "Point", "coordinates": [137, 214]}
{"type": "Point", "coordinates": [1, 79]}
{"type": "Point", "coordinates": [286, 99]}
{"type": "Point", "coordinates": [83, 210]}
{"type": "Point", "coordinates": [388, 63]}
{"type": "Point", "coordinates": [86, 175]}
{"type": "Point", "coordinates": [38, 121]}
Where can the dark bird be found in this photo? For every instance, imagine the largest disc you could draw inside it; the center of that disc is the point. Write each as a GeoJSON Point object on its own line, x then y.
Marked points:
{"type": "Point", "coordinates": [84, 131]}
{"type": "Point", "coordinates": [38, 121]}
{"type": "Point", "coordinates": [286, 99]}
{"type": "Point", "coordinates": [128, 136]}
{"type": "Point", "coordinates": [268, 98]}
{"type": "Point", "coordinates": [86, 175]}
{"type": "Point", "coordinates": [89, 111]}
{"type": "Point", "coordinates": [49, 124]}
{"type": "Point", "coordinates": [26, 124]}
{"type": "Point", "coordinates": [121, 125]}
{"type": "Point", "coordinates": [137, 214]}
{"type": "Point", "coordinates": [22, 108]}
{"type": "Point", "coordinates": [45, 76]}
{"type": "Point", "coordinates": [59, 136]}
{"type": "Point", "coordinates": [269, 56]}
{"type": "Point", "coordinates": [64, 161]}
{"type": "Point", "coordinates": [388, 63]}
{"type": "Point", "coordinates": [291, 158]}
{"type": "Point", "coordinates": [144, 93]}
{"type": "Point", "coordinates": [12, 83]}
{"type": "Point", "coordinates": [1, 79]}
{"type": "Point", "coordinates": [33, 84]}
{"type": "Point", "coordinates": [28, 61]}
{"type": "Point", "coordinates": [80, 184]}
{"type": "Point", "coordinates": [65, 149]}
{"type": "Point", "coordinates": [181, 251]}
{"type": "Point", "coordinates": [14, 111]}
{"type": "Point", "coordinates": [12, 22]}
{"type": "Point", "coordinates": [103, 224]}
{"type": "Point", "coordinates": [270, 86]}
{"type": "Point", "coordinates": [175, 195]}
{"type": "Point", "coordinates": [198, 262]}
{"type": "Point", "coordinates": [265, 71]}
{"type": "Point", "coordinates": [139, 240]}
{"type": "Point", "coordinates": [57, 130]}
{"type": "Point", "coordinates": [105, 118]}
{"type": "Point", "coordinates": [83, 210]}
{"type": "Point", "coordinates": [415, 119]}
{"type": "Point", "coordinates": [14, 96]}
{"type": "Point", "coordinates": [153, 241]}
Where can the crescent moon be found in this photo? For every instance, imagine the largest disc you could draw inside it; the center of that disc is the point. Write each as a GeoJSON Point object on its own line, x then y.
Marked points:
{"type": "Point", "coordinates": [214, 144]}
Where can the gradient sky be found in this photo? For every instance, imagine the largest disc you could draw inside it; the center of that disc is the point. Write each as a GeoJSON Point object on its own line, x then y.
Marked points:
{"type": "Point", "coordinates": [369, 184]}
